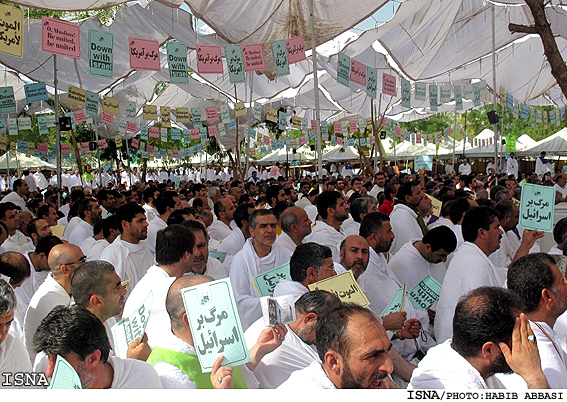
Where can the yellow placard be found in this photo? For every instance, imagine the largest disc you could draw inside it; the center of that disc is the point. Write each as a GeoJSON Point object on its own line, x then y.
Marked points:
{"type": "Point", "coordinates": [150, 112]}
{"type": "Point", "coordinates": [435, 205]}
{"type": "Point", "coordinates": [58, 230]}
{"type": "Point", "coordinates": [344, 286]}
{"type": "Point", "coordinates": [296, 122]}
{"type": "Point", "coordinates": [165, 112]}
{"type": "Point", "coordinates": [239, 109]}
{"type": "Point", "coordinates": [111, 105]}
{"type": "Point", "coordinates": [118, 141]}
{"type": "Point", "coordinates": [13, 146]}
{"type": "Point", "coordinates": [77, 96]}
{"type": "Point", "coordinates": [12, 23]}
{"type": "Point", "coordinates": [272, 114]}
{"type": "Point", "coordinates": [516, 202]}
{"type": "Point", "coordinates": [182, 115]}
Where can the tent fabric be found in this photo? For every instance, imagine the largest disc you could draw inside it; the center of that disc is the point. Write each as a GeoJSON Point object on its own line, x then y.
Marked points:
{"type": "Point", "coordinates": [554, 145]}
{"type": "Point", "coordinates": [280, 155]}
{"type": "Point", "coordinates": [19, 161]}
{"type": "Point", "coordinates": [427, 38]}
{"type": "Point", "coordinates": [340, 153]}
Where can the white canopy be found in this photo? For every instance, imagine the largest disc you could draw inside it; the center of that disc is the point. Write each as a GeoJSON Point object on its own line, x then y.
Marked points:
{"type": "Point", "coordinates": [340, 153]}
{"type": "Point", "coordinates": [20, 161]}
{"type": "Point", "coordinates": [554, 145]}
{"type": "Point", "coordinates": [281, 155]}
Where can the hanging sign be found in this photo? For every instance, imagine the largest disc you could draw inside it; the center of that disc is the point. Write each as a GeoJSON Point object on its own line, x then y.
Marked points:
{"type": "Point", "coordinates": [101, 49]}
{"type": "Point", "coordinates": [12, 37]}
{"type": "Point", "coordinates": [144, 54]}
{"type": "Point", "coordinates": [177, 63]}
{"type": "Point", "coordinates": [60, 37]}
{"type": "Point", "coordinates": [209, 59]}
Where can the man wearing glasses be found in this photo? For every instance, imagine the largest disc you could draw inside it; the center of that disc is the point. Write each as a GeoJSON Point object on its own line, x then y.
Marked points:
{"type": "Point", "coordinates": [63, 260]}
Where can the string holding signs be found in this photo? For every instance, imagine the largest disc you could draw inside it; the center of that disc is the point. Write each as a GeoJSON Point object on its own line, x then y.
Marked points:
{"type": "Point", "coordinates": [12, 38]}
{"type": "Point", "coordinates": [144, 54]}
{"type": "Point", "coordinates": [537, 207]}
{"type": "Point", "coordinates": [101, 49]}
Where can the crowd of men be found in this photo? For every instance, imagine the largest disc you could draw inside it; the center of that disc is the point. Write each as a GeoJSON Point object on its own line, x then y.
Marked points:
{"type": "Point", "coordinates": [69, 273]}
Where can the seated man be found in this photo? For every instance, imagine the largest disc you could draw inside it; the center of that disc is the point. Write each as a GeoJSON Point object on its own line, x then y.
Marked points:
{"type": "Point", "coordinates": [353, 347]}
{"type": "Point", "coordinates": [310, 263]}
{"type": "Point", "coordinates": [490, 336]}
{"type": "Point", "coordinates": [232, 244]}
{"type": "Point", "coordinates": [541, 286]}
{"type": "Point", "coordinates": [174, 256]}
{"type": "Point", "coordinates": [297, 351]}
{"type": "Point", "coordinates": [78, 336]}
{"type": "Point", "coordinates": [13, 355]}
{"type": "Point", "coordinates": [421, 258]}
{"type": "Point", "coordinates": [259, 255]}
{"type": "Point", "coordinates": [175, 359]}
{"type": "Point", "coordinates": [470, 266]}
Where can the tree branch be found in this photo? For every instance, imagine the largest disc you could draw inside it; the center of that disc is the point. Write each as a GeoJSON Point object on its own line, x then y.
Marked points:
{"type": "Point", "coordinates": [517, 28]}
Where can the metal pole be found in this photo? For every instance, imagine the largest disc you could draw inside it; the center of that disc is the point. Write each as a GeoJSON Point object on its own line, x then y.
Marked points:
{"type": "Point", "coordinates": [455, 134]}
{"type": "Point", "coordinates": [129, 169]}
{"type": "Point", "coordinates": [98, 157]}
{"type": "Point", "coordinates": [57, 131]}
{"type": "Point", "coordinates": [251, 75]}
{"type": "Point", "coordinates": [316, 87]}
{"type": "Point", "coordinates": [377, 143]}
{"type": "Point", "coordinates": [494, 89]}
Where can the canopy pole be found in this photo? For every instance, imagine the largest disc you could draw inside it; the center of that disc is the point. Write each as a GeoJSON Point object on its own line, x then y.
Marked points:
{"type": "Point", "coordinates": [57, 131]}
{"type": "Point", "coordinates": [98, 157]}
{"type": "Point", "coordinates": [494, 89]}
{"type": "Point", "coordinates": [129, 169]}
{"type": "Point", "coordinates": [316, 87]}
{"type": "Point", "coordinates": [377, 143]}
{"type": "Point", "coordinates": [455, 134]}
{"type": "Point", "coordinates": [247, 166]}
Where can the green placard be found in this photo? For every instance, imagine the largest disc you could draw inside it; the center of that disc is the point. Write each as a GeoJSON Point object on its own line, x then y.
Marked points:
{"type": "Point", "coordinates": [177, 62]}
{"type": "Point", "coordinates": [129, 328]}
{"type": "Point", "coordinates": [425, 293]}
{"type": "Point", "coordinates": [64, 376]}
{"type": "Point", "coordinates": [510, 143]}
{"type": "Point", "coordinates": [91, 105]}
{"type": "Point", "coordinates": [537, 207]}
{"type": "Point", "coordinates": [343, 69]}
{"type": "Point", "coordinates": [215, 324]}
{"type": "Point", "coordinates": [101, 49]}
{"type": "Point", "coordinates": [218, 255]}
{"type": "Point", "coordinates": [235, 63]}
{"type": "Point", "coordinates": [281, 60]}
{"type": "Point", "coordinates": [266, 283]}
{"type": "Point", "coordinates": [371, 81]}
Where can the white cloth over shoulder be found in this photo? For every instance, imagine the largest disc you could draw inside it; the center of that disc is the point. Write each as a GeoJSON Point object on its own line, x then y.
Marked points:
{"type": "Point", "coordinates": [404, 225]}
{"type": "Point", "coordinates": [157, 281]}
{"type": "Point", "coordinates": [49, 295]}
{"type": "Point", "coordinates": [82, 231]}
{"type": "Point", "coordinates": [290, 287]}
{"type": "Point", "coordinates": [133, 374]}
{"type": "Point", "coordinates": [154, 226]}
{"type": "Point", "coordinates": [551, 355]}
{"type": "Point", "coordinates": [469, 269]}
{"type": "Point", "coordinates": [285, 241]}
{"type": "Point", "coordinates": [231, 245]}
{"type": "Point", "coordinates": [509, 245]}
{"type": "Point", "coordinates": [219, 230]}
{"type": "Point", "coordinates": [409, 266]}
{"type": "Point", "coordinates": [276, 367]}
{"type": "Point", "coordinates": [311, 377]}
{"type": "Point", "coordinates": [131, 261]}
{"type": "Point", "coordinates": [13, 356]}
{"type": "Point", "coordinates": [245, 265]}
{"type": "Point", "coordinates": [327, 235]}
{"type": "Point", "coordinates": [444, 368]}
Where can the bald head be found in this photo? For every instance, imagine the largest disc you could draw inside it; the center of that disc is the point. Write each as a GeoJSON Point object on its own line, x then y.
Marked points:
{"type": "Point", "coordinates": [64, 254]}
{"type": "Point", "coordinates": [174, 301]}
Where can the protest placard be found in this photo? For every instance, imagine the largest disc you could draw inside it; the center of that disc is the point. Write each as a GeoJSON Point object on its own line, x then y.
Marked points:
{"type": "Point", "coordinates": [537, 207]}
{"type": "Point", "coordinates": [266, 282]}
{"type": "Point", "coordinates": [129, 328]}
{"type": "Point", "coordinates": [344, 286]}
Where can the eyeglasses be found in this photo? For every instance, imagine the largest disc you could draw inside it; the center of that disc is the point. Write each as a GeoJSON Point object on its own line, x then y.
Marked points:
{"type": "Point", "coordinates": [82, 260]}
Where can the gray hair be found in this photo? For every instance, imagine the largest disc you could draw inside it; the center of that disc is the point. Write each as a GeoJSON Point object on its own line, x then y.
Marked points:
{"type": "Point", "coordinates": [8, 301]}
{"type": "Point", "coordinates": [289, 218]}
{"type": "Point", "coordinates": [213, 192]}
{"type": "Point", "coordinates": [360, 206]}
{"type": "Point", "coordinates": [561, 262]}
{"type": "Point", "coordinates": [501, 195]}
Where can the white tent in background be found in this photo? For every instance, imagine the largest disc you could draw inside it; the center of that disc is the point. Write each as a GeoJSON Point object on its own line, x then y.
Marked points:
{"type": "Point", "coordinates": [554, 145]}
{"type": "Point", "coordinates": [340, 153]}
{"type": "Point", "coordinates": [21, 161]}
{"type": "Point", "coordinates": [280, 155]}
